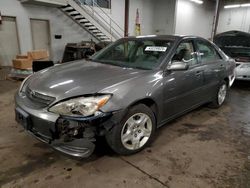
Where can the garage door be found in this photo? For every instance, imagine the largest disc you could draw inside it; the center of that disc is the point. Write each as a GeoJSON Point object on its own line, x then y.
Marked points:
{"type": "Point", "coordinates": [40, 34]}
{"type": "Point", "coordinates": [9, 46]}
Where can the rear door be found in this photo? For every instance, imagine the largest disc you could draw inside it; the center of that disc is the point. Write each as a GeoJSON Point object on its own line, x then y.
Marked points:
{"type": "Point", "coordinates": [213, 64]}
{"type": "Point", "coordinates": [183, 89]}
{"type": "Point", "coordinates": [40, 34]}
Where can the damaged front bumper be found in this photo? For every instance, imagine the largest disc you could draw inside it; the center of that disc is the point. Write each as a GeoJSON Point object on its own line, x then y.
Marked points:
{"type": "Point", "coordinates": [72, 136]}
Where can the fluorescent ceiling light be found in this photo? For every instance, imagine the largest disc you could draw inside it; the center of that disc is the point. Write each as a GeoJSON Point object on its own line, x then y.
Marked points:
{"type": "Point", "coordinates": [197, 1]}
{"type": "Point", "coordinates": [232, 6]}
{"type": "Point", "coordinates": [237, 5]}
{"type": "Point", "coordinates": [245, 5]}
{"type": "Point", "coordinates": [144, 36]}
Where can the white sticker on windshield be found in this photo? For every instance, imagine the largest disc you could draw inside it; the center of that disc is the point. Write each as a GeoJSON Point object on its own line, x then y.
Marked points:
{"type": "Point", "coordinates": [156, 49]}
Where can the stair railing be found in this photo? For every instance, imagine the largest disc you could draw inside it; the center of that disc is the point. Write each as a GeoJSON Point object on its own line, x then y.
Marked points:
{"type": "Point", "coordinates": [100, 16]}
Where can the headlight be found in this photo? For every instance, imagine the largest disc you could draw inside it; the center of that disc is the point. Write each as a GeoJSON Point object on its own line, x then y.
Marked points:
{"type": "Point", "coordinates": [82, 106]}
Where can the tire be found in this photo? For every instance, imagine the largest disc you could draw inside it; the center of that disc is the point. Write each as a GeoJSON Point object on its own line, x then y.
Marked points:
{"type": "Point", "coordinates": [131, 135]}
{"type": "Point", "coordinates": [221, 95]}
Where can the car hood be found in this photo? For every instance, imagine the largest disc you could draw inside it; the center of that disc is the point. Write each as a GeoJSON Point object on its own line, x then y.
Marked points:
{"type": "Point", "coordinates": [80, 78]}
{"type": "Point", "coordinates": [235, 44]}
{"type": "Point", "coordinates": [233, 38]}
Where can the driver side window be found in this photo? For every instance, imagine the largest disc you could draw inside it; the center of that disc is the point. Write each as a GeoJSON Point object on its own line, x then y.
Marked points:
{"type": "Point", "coordinates": [185, 53]}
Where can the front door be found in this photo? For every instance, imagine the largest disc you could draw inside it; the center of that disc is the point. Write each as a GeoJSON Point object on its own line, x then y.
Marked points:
{"type": "Point", "coordinates": [40, 34]}
{"type": "Point", "coordinates": [182, 89]}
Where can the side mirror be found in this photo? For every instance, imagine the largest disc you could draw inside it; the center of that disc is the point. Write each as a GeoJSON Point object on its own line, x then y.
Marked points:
{"type": "Point", "coordinates": [177, 66]}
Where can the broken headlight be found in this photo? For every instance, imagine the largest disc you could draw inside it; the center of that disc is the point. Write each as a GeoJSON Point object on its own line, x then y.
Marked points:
{"type": "Point", "coordinates": [82, 106]}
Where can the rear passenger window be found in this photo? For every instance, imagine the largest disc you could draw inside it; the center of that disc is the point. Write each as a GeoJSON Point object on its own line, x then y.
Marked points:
{"type": "Point", "coordinates": [207, 51]}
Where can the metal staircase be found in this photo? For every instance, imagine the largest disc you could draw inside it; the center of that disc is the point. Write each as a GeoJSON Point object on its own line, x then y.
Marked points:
{"type": "Point", "coordinates": [94, 19]}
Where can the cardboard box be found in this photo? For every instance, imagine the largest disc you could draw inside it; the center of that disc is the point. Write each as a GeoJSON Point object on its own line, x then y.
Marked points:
{"type": "Point", "coordinates": [25, 61]}
{"type": "Point", "coordinates": [21, 56]}
{"type": "Point", "coordinates": [38, 54]}
{"type": "Point", "coordinates": [22, 63]}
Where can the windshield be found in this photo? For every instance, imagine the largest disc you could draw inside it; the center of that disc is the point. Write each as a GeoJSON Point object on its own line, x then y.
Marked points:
{"type": "Point", "coordinates": [134, 53]}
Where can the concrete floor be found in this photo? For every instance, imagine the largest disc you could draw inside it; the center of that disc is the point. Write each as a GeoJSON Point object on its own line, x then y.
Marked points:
{"type": "Point", "coordinates": [205, 148]}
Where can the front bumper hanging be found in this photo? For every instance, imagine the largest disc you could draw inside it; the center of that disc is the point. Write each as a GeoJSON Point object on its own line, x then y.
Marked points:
{"type": "Point", "coordinates": [71, 136]}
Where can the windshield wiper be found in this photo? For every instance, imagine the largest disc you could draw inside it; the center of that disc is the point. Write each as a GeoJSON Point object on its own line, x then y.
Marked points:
{"type": "Point", "coordinates": [143, 68]}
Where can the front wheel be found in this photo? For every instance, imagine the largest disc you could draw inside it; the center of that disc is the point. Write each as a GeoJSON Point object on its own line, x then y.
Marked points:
{"type": "Point", "coordinates": [220, 95]}
{"type": "Point", "coordinates": [135, 131]}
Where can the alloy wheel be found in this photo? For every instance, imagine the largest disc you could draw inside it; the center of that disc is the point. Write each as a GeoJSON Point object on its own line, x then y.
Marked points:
{"type": "Point", "coordinates": [222, 94]}
{"type": "Point", "coordinates": [136, 131]}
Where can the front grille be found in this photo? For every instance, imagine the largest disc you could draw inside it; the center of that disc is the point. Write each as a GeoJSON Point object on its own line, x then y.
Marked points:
{"type": "Point", "coordinates": [39, 99]}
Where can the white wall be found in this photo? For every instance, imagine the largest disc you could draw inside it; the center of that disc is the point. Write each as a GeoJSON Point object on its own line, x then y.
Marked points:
{"type": "Point", "coordinates": [164, 17]}
{"type": "Point", "coordinates": [117, 12]}
{"type": "Point", "coordinates": [146, 13]}
{"type": "Point", "coordinates": [234, 19]}
{"type": "Point", "coordinates": [59, 24]}
{"type": "Point", "coordinates": [156, 16]}
{"type": "Point", "coordinates": [194, 19]}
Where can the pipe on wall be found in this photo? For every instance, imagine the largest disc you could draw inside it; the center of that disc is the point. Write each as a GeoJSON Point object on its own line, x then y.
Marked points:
{"type": "Point", "coordinates": [216, 19]}
{"type": "Point", "coordinates": [126, 21]}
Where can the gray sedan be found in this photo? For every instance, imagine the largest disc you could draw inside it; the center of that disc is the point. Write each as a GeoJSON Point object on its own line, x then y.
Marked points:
{"type": "Point", "coordinates": [124, 93]}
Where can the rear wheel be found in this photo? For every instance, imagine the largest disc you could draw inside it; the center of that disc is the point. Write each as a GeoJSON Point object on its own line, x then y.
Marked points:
{"type": "Point", "coordinates": [220, 96]}
{"type": "Point", "coordinates": [135, 131]}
